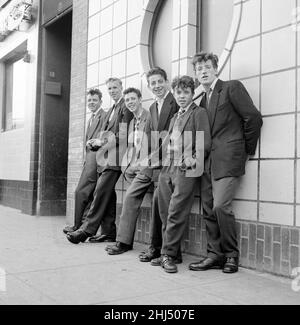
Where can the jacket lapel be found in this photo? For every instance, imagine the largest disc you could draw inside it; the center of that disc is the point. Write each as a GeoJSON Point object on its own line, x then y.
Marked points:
{"type": "Point", "coordinates": [165, 112]}
{"type": "Point", "coordinates": [186, 118]}
{"type": "Point", "coordinates": [214, 101]}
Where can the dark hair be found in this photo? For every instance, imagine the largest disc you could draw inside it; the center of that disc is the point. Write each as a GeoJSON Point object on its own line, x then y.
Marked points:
{"type": "Point", "coordinates": [132, 90]}
{"type": "Point", "coordinates": [155, 71]}
{"type": "Point", "coordinates": [95, 91]}
{"type": "Point", "coordinates": [205, 56]}
{"type": "Point", "coordinates": [183, 82]}
{"type": "Point", "coordinates": [114, 80]}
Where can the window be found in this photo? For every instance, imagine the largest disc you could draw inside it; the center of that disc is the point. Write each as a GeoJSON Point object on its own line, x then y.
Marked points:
{"type": "Point", "coordinates": [214, 21]}
{"type": "Point", "coordinates": [14, 93]}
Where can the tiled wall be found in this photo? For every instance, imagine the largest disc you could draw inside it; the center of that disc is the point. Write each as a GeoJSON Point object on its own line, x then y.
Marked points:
{"type": "Point", "coordinates": [263, 51]}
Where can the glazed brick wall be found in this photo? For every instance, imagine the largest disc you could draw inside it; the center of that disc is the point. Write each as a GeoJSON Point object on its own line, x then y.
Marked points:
{"type": "Point", "coordinates": [77, 99]}
{"type": "Point", "coordinates": [263, 247]}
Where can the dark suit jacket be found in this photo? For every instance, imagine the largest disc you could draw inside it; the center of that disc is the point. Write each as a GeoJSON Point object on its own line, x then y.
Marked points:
{"type": "Point", "coordinates": [235, 128]}
{"type": "Point", "coordinates": [93, 132]}
{"type": "Point", "coordinates": [134, 154]}
{"type": "Point", "coordinates": [195, 119]}
{"type": "Point", "coordinates": [115, 137]}
{"type": "Point", "coordinates": [168, 110]}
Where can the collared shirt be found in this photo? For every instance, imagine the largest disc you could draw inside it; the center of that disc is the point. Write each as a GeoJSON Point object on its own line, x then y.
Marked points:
{"type": "Point", "coordinates": [137, 121]}
{"type": "Point", "coordinates": [160, 102]}
{"type": "Point", "coordinates": [114, 109]}
{"type": "Point", "coordinates": [211, 88]}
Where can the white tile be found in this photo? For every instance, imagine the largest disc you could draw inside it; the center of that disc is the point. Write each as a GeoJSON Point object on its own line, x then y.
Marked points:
{"type": "Point", "coordinates": [298, 182]}
{"type": "Point", "coordinates": [278, 137]}
{"type": "Point", "coordinates": [93, 51]}
{"type": "Point", "coordinates": [106, 20]}
{"type": "Point", "coordinates": [104, 70]}
{"type": "Point", "coordinates": [278, 92]}
{"type": "Point", "coordinates": [119, 39]}
{"type": "Point", "coordinates": [250, 22]}
{"type": "Point", "coordinates": [248, 185]}
{"type": "Point", "coordinates": [94, 26]}
{"type": "Point", "coordinates": [276, 57]}
{"type": "Point", "coordinates": [133, 61]}
{"type": "Point", "coordinates": [245, 58]}
{"type": "Point", "coordinates": [105, 47]}
{"type": "Point", "coordinates": [276, 13]}
{"type": "Point", "coordinates": [120, 12]}
{"type": "Point", "coordinates": [187, 41]}
{"type": "Point", "coordinates": [118, 65]}
{"type": "Point", "coordinates": [134, 81]}
{"type": "Point", "coordinates": [175, 44]}
{"type": "Point", "coordinates": [298, 86]}
{"type": "Point", "coordinates": [176, 14]}
{"type": "Point", "coordinates": [277, 181]}
{"type": "Point", "coordinates": [252, 86]}
{"type": "Point", "coordinates": [186, 67]}
{"type": "Point", "coordinates": [92, 75]}
{"type": "Point", "coordinates": [132, 35]}
{"type": "Point", "coordinates": [105, 3]}
{"type": "Point", "coordinates": [225, 73]}
{"type": "Point", "coordinates": [244, 210]}
{"type": "Point", "coordinates": [134, 8]}
{"type": "Point", "coordinates": [175, 69]}
{"type": "Point", "coordinates": [94, 6]}
{"type": "Point", "coordinates": [298, 137]}
{"type": "Point", "coordinates": [276, 213]}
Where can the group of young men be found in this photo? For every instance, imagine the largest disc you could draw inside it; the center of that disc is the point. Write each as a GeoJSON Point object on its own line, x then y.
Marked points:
{"type": "Point", "coordinates": [188, 138]}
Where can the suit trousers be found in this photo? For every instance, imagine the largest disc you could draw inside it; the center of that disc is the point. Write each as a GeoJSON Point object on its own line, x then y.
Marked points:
{"type": "Point", "coordinates": [175, 200]}
{"type": "Point", "coordinates": [83, 199]}
{"type": "Point", "coordinates": [217, 197]}
{"type": "Point", "coordinates": [103, 206]}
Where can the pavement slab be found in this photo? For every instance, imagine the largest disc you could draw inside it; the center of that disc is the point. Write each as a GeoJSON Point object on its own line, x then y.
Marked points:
{"type": "Point", "coordinates": [42, 268]}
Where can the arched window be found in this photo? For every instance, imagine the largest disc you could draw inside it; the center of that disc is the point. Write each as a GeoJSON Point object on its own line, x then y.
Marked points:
{"type": "Point", "coordinates": [214, 21]}
{"type": "Point", "coordinates": [161, 34]}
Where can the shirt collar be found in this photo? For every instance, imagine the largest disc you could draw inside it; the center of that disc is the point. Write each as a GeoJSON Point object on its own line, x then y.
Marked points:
{"type": "Point", "coordinates": [213, 85]}
{"type": "Point", "coordinates": [187, 108]}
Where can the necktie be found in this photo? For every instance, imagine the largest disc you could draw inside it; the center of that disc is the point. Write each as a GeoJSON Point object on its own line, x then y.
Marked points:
{"type": "Point", "coordinates": [204, 100]}
{"type": "Point", "coordinates": [136, 129]}
{"type": "Point", "coordinates": [112, 113]}
{"type": "Point", "coordinates": [92, 119]}
{"type": "Point", "coordinates": [180, 112]}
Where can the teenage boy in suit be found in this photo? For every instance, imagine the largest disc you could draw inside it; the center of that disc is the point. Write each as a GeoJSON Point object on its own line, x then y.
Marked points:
{"type": "Point", "coordinates": [235, 128]}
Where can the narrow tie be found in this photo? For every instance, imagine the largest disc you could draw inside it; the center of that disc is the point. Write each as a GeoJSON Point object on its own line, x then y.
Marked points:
{"type": "Point", "coordinates": [204, 100]}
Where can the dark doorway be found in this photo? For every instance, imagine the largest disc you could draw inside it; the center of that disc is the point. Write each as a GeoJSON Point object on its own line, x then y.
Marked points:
{"type": "Point", "coordinates": [55, 116]}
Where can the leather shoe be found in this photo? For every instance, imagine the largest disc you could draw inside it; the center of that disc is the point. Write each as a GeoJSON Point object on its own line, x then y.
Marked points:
{"type": "Point", "coordinates": [101, 239]}
{"type": "Point", "coordinates": [78, 236]}
{"type": "Point", "coordinates": [68, 229]}
{"type": "Point", "coordinates": [158, 261]}
{"type": "Point", "coordinates": [168, 264]}
{"type": "Point", "coordinates": [231, 265]}
{"type": "Point", "coordinates": [206, 264]}
{"type": "Point", "coordinates": [118, 248]}
{"type": "Point", "coordinates": [148, 256]}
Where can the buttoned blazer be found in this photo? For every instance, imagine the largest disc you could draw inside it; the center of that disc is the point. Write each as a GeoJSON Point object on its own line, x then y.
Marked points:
{"type": "Point", "coordinates": [195, 120]}
{"type": "Point", "coordinates": [235, 128]}
{"type": "Point", "coordinates": [114, 132]}
{"type": "Point", "coordinates": [135, 154]}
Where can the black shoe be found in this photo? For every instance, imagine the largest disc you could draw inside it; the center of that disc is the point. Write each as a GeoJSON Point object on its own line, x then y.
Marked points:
{"type": "Point", "coordinates": [168, 264]}
{"type": "Point", "coordinates": [68, 229]}
{"type": "Point", "coordinates": [158, 261]}
{"type": "Point", "coordinates": [119, 248]}
{"type": "Point", "coordinates": [231, 265]}
{"type": "Point", "coordinates": [206, 264]}
{"type": "Point", "coordinates": [78, 236]}
{"type": "Point", "coordinates": [149, 255]}
{"type": "Point", "coordinates": [101, 239]}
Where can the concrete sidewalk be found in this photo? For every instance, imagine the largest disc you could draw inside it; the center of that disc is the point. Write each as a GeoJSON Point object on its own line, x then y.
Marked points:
{"type": "Point", "coordinates": [42, 267]}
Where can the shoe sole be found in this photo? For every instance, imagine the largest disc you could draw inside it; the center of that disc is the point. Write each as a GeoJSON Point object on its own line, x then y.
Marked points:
{"type": "Point", "coordinates": [210, 268]}
{"type": "Point", "coordinates": [110, 252]}
{"type": "Point", "coordinates": [229, 272]}
{"type": "Point", "coordinates": [170, 271]}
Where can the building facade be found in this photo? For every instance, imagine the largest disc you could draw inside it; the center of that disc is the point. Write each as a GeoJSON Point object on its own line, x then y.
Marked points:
{"type": "Point", "coordinates": [258, 43]}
